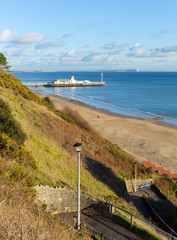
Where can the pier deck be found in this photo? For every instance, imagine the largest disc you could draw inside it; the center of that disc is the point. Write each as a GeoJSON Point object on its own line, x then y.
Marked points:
{"type": "Point", "coordinates": [84, 84]}
{"type": "Point", "coordinates": [36, 84]}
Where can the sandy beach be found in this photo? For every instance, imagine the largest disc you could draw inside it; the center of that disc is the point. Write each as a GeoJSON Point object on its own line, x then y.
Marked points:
{"type": "Point", "coordinates": [145, 139]}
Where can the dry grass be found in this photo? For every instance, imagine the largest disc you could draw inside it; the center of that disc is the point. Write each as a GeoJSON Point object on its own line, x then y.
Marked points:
{"type": "Point", "coordinates": [79, 120]}
{"type": "Point", "coordinates": [21, 218]}
{"type": "Point", "coordinates": [50, 140]}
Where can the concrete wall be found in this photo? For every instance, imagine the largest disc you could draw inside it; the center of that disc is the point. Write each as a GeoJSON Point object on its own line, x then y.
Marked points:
{"type": "Point", "coordinates": [59, 200]}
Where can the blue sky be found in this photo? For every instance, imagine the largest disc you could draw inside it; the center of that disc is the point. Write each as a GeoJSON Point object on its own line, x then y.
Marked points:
{"type": "Point", "coordinates": [68, 35]}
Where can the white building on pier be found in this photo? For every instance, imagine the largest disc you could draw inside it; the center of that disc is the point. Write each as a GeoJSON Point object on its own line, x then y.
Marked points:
{"type": "Point", "coordinates": [71, 80]}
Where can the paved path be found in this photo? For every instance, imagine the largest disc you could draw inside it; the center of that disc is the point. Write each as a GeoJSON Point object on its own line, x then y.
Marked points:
{"type": "Point", "coordinates": [137, 199]}
{"type": "Point", "coordinates": [106, 226]}
{"type": "Point", "coordinates": [110, 229]}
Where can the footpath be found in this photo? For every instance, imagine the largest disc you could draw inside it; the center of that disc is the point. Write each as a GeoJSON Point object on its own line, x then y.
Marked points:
{"type": "Point", "coordinates": [110, 229]}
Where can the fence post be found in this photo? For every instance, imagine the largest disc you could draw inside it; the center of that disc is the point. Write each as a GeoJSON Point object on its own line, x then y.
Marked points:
{"type": "Point", "coordinates": [172, 235]}
{"type": "Point", "coordinates": [131, 220]}
{"type": "Point", "coordinates": [111, 209]}
{"type": "Point", "coordinates": [74, 221]}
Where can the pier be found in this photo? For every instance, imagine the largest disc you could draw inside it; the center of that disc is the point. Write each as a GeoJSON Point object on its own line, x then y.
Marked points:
{"type": "Point", "coordinates": [84, 84]}
{"type": "Point", "coordinates": [36, 84]}
{"type": "Point", "coordinates": [71, 82]}
{"type": "Point", "coordinates": [45, 84]}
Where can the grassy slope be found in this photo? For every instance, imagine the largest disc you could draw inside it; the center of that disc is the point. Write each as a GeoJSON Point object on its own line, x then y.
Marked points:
{"type": "Point", "coordinates": [50, 140]}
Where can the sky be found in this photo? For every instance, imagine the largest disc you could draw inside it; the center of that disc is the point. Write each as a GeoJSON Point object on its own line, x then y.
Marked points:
{"type": "Point", "coordinates": [77, 35]}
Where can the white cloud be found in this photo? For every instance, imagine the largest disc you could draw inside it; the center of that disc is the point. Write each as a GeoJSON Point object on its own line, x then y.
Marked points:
{"type": "Point", "coordinates": [166, 51]}
{"type": "Point", "coordinates": [52, 43]}
{"type": "Point", "coordinates": [29, 52]}
{"type": "Point", "coordinates": [136, 47]}
{"type": "Point", "coordinates": [56, 54]}
{"type": "Point", "coordinates": [114, 52]}
{"type": "Point", "coordinates": [113, 45]}
{"type": "Point", "coordinates": [28, 38]}
{"type": "Point", "coordinates": [97, 58]}
{"type": "Point", "coordinates": [5, 35]}
{"type": "Point", "coordinates": [72, 55]}
{"type": "Point", "coordinates": [93, 57]}
{"type": "Point", "coordinates": [113, 48]}
{"type": "Point", "coordinates": [169, 48]}
{"type": "Point", "coordinates": [24, 52]}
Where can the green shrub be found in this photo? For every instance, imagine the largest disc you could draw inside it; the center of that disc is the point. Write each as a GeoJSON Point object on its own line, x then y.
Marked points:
{"type": "Point", "coordinates": [8, 147]}
{"type": "Point", "coordinates": [49, 102]}
{"type": "Point", "coordinates": [20, 174]}
{"type": "Point", "coordinates": [11, 82]}
{"type": "Point", "coordinates": [78, 119]}
{"type": "Point", "coordinates": [9, 125]}
{"type": "Point", "coordinates": [64, 117]}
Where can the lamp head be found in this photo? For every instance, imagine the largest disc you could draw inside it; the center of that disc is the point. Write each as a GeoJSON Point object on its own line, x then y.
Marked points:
{"type": "Point", "coordinates": [78, 146]}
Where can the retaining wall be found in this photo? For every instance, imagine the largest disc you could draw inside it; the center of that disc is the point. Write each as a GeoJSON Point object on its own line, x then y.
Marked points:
{"type": "Point", "coordinates": [60, 200]}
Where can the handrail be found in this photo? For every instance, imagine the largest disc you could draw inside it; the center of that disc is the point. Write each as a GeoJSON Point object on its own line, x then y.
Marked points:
{"type": "Point", "coordinates": [148, 223]}
{"type": "Point", "coordinates": [166, 225]}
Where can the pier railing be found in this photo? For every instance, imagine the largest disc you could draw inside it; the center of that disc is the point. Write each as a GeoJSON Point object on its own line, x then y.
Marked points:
{"type": "Point", "coordinates": [34, 83]}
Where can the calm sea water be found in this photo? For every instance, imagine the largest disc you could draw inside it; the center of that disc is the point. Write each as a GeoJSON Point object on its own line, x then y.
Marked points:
{"type": "Point", "coordinates": [137, 94]}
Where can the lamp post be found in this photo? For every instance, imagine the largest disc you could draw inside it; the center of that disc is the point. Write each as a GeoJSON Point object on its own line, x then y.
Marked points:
{"type": "Point", "coordinates": [78, 147]}
{"type": "Point", "coordinates": [135, 175]}
{"type": "Point", "coordinates": [132, 146]}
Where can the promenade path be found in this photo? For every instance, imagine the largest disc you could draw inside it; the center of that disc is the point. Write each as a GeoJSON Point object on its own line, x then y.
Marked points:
{"type": "Point", "coordinates": [110, 229]}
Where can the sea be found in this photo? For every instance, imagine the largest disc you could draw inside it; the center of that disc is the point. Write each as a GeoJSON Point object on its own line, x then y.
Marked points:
{"type": "Point", "coordinates": [134, 94]}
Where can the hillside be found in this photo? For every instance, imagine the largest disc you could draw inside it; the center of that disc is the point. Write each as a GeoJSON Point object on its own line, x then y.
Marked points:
{"type": "Point", "coordinates": [41, 152]}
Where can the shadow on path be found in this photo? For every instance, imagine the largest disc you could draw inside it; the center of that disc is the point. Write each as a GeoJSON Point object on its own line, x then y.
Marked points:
{"type": "Point", "coordinates": [106, 226]}
{"type": "Point", "coordinates": [109, 228]}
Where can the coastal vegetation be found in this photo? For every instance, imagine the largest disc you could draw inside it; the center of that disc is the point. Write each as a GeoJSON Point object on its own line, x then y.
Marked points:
{"type": "Point", "coordinates": [36, 148]}
{"type": "Point", "coordinates": [3, 62]}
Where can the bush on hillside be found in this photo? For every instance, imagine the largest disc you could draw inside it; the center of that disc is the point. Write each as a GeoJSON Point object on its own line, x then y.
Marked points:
{"type": "Point", "coordinates": [11, 82]}
{"type": "Point", "coordinates": [79, 120]}
{"type": "Point", "coordinates": [49, 102]}
{"type": "Point", "coordinates": [9, 125]}
{"type": "Point", "coordinates": [8, 147]}
{"type": "Point", "coordinates": [17, 164]}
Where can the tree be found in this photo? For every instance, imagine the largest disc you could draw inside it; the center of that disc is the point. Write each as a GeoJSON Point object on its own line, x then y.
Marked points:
{"type": "Point", "coordinates": [3, 62]}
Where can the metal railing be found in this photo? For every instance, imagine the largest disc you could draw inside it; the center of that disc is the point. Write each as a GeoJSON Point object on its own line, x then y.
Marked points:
{"type": "Point", "coordinates": [144, 224]}
{"type": "Point", "coordinates": [160, 219]}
